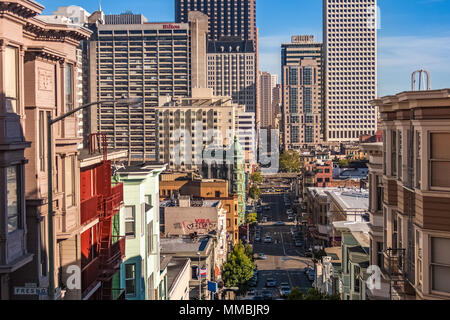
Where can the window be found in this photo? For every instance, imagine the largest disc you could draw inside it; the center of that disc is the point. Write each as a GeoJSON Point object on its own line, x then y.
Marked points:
{"type": "Point", "coordinates": [419, 255]}
{"type": "Point", "coordinates": [400, 156]}
{"type": "Point", "coordinates": [440, 264]}
{"type": "Point", "coordinates": [418, 160]}
{"type": "Point", "coordinates": [43, 244]}
{"type": "Point", "coordinates": [70, 180]}
{"type": "Point", "coordinates": [356, 278]}
{"type": "Point", "coordinates": [68, 86]}
{"type": "Point", "coordinates": [379, 195]}
{"type": "Point", "coordinates": [130, 221]}
{"type": "Point", "coordinates": [151, 249]}
{"type": "Point", "coordinates": [130, 279]}
{"type": "Point", "coordinates": [12, 74]}
{"type": "Point", "coordinates": [394, 231]}
{"type": "Point", "coordinates": [148, 199]}
{"type": "Point", "coordinates": [13, 198]}
{"type": "Point", "coordinates": [41, 141]}
{"type": "Point", "coordinates": [439, 160]}
{"type": "Point", "coordinates": [307, 78]}
{"type": "Point", "coordinates": [394, 153]}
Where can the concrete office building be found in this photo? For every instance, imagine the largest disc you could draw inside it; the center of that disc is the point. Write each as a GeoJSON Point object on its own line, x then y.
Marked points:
{"type": "Point", "coordinates": [235, 18]}
{"type": "Point", "coordinates": [232, 70]}
{"type": "Point", "coordinates": [350, 51]}
{"type": "Point", "coordinates": [245, 126]}
{"type": "Point", "coordinates": [267, 84]}
{"type": "Point", "coordinates": [129, 56]}
{"type": "Point", "coordinates": [200, 116]}
{"type": "Point", "coordinates": [302, 88]}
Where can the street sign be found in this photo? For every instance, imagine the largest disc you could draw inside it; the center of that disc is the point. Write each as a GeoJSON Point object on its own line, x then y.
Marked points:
{"type": "Point", "coordinates": [212, 286]}
{"type": "Point", "coordinates": [203, 272]}
{"type": "Point", "coordinates": [30, 291]}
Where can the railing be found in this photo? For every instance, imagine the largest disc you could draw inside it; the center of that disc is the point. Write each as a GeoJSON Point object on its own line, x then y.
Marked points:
{"type": "Point", "coordinates": [89, 275]}
{"type": "Point", "coordinates": [112, 257]}
{"type": "Point", "coordinates": [89, 210]}
{"type": "Point", "coordinates": [111, 204]}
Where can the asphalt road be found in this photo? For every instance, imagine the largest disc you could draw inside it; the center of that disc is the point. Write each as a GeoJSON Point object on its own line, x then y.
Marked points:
{"type": "Point", "coordinates": [285, 262]}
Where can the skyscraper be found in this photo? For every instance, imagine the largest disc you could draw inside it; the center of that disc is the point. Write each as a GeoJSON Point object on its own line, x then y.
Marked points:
{"type": "Point", "coordinates": [231, 71]}
{"type": "Point", "coordinates": [235, 18]}
{"type": "Point", "coordinates": [131, 57]}
{"type": "Point", "coordinates": [267, 83]}
{"type": "Point", "coordinates": [350, 43]}
{"type": "Point", "coordinates": [302, 90]}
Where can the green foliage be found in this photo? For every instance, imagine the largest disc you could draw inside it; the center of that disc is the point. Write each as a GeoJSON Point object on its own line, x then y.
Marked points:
{"type": "Point", "coordinates": [290, 161]}
{"type": "Point", "coordinates": [252, 218]}
{"type": "Point", "coordinates": [256, 177]}
{"type": "Point", "coordinates": [254, 192]}
{"type": "Point", "coordinates": [239, 268]}
{"type": "Point", "coordinates": [312, 294]}
{"type": "Point", "coordinates": [249, 251]}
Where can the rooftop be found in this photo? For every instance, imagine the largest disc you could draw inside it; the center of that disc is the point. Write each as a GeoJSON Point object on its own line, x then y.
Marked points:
{"type": "Point", "coordinates": [184, 245]}
{"type": "Point", "coordinates": [355, 199]}
{"type": "Point", "coordinates": [175, 269]}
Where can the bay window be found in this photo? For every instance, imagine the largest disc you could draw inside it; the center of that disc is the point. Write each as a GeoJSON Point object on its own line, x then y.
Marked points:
{"type": "Point", "coordinates": [440, 160]}
{"type": "Point", "coordinates": [440, 264]}
{"type": "Point", "coordinates": [70, 181]}
{"type": "Point", "coordinates": [12, 74]}
{"type": "Point", "coordinates": [13, 198]}
{"type": "Point", "coordinates": [68, 87]}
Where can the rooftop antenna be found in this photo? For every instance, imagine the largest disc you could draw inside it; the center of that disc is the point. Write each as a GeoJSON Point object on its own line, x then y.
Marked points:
{"type": "Point", "coordinates": [422, 73]}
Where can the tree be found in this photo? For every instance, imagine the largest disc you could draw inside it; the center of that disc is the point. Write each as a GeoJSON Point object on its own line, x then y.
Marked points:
{"type": "Point", "coordinates": [254, 192]}
{"type": "Point", "coordinates": [252, 218]}
{"type": "Point", "coordinates": [239, 268]}
{"type": "Point", "coordinates": [290, 161]}
{"type": "Point", "coordinates": [256, 177]}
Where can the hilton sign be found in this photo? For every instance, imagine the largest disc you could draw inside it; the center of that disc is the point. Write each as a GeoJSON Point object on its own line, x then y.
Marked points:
{"type": "Point", "coordinates": [170, 26]}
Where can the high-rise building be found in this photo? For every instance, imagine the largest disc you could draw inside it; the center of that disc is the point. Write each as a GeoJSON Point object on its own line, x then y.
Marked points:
{"type": "Point", "coordinates": [267, 83]}
{"type": "Point", "coordinates": [302, 90]}
{"type": "Point", "coordinates": [350, 43]}
{"type": "Point", "coordinates": [236, 18]}
{"type": "Point", "coordinates": [232, 68]}
{"type": "Point", "coordinates": [131, 57]}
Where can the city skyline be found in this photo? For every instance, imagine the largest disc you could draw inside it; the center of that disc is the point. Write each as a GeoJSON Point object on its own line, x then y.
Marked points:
{"type": "Point", "coordinates": [404, 45]}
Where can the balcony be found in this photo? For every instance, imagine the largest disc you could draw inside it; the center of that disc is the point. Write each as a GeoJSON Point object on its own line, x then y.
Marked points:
{"type": "Point", "coordinates": [89, 210]}
{"type": "Point", "coordinates": [111, 204]}
{"type": "Point", "coordinates": [112, 257]}
{"type": "Point", "coordinates": [89, 276]}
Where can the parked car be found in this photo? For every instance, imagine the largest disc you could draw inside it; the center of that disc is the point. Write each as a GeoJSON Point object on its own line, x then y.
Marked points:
{"type": "Point", "coordinates": [262, 256]}
{"type": "Point", "coordinates": [290, 211]}
{"type": "Point", "coordinates": [280, 223]}
{"type": "Point", "coordinates": [308, 254]}
{"type": "Point", "coordinates": [285, 289]}
{"type": "Point", "coordinates": [271, 282]}
{"type": "Point", "coordinates": [268, 240]}
{"type": "Point", "coordinates": [298, 243]}
{"type": "Point", "coordinates": [290, 218]}
{"type": "Point", "coordinates": [251, 293]}
{"type": "Point", "coordinates": [307, 270]}
{"type": "Point", "coordinates": [267, 294]}
{"type": "Point", "coordinates": [257, 238]}
{"type": "Point", "coordinates": [311, 275]}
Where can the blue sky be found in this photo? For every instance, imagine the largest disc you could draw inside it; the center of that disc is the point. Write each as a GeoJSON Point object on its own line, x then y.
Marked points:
{"type": "Point", "coordinates": [414, 34]}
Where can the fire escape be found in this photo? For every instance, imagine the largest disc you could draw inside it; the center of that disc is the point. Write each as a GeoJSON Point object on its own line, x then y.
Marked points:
{"type": "Point", "coordinates": [111, 248]}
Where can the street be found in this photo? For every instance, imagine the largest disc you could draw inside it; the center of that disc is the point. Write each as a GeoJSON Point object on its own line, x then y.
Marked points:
{"type": "Point", "coordinates": [284, 261]}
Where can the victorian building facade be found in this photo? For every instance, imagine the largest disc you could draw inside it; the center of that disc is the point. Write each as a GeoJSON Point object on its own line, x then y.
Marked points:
{"type": "Point", "coordinates": [39, 64]}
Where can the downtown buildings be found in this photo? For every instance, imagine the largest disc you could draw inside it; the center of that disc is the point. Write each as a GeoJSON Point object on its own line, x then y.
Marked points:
{"type": "Point", "coordinates": [232, 48]}
{"type": "Point", "coordinates": [131, 57]}
{"type": "Point", "coordinates": [350, 68]}
{"type": "Point", "coordinates": [302, 78]}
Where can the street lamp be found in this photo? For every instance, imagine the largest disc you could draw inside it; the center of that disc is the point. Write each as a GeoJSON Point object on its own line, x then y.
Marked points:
{"type": "Point", "coordinates": [50, 122]}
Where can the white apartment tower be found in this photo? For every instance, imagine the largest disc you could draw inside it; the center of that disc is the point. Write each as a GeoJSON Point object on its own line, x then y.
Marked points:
{"type": "Point", "coordinates": [350, 51]}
